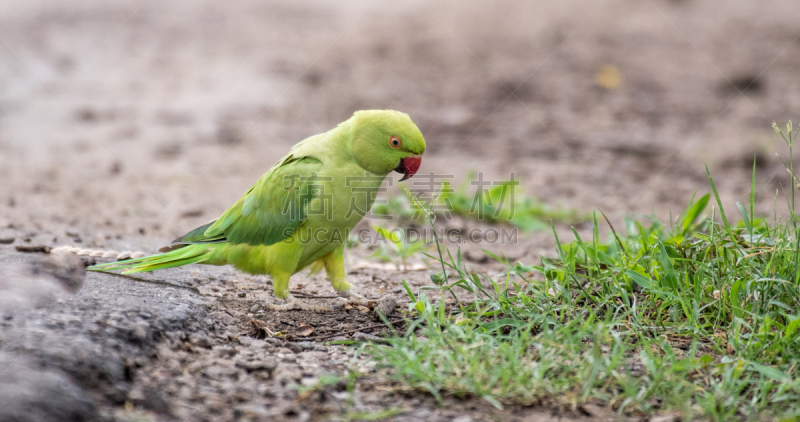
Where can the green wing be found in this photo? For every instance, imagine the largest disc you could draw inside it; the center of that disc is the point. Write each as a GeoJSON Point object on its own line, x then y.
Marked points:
{"type": "Point", "coordinates": [270, 211]}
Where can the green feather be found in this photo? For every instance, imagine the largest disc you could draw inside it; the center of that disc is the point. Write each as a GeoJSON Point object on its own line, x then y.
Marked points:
{"type": "Point", "coordinates": [174, 258]}
{"type": "Point", "coordinates": [198, 236]}
{"type": "Point", "coordinates": [274, 207]}
{"type": "Point", "coordinates": [168, 264]}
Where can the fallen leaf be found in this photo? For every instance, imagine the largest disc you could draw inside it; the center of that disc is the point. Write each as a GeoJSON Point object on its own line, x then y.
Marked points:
{"type": "Point", "coordinates": [304, 330]}
{"type": "Point", "coordinates": [259, 330]}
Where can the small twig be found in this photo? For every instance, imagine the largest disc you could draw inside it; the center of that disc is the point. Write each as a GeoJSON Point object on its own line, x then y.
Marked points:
{"type": "Point", "coordinates": [32, 249]}
{"type": "Point", "coordinates": [759, 253]}
{"type": "Point", "coordinates": [369, 327]}
{"type": "Point", "coordinates": [379, 279]}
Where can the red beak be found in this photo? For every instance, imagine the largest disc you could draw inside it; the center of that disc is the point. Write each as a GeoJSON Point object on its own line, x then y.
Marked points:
{"type": "Point", "coordinates": [408, 166]}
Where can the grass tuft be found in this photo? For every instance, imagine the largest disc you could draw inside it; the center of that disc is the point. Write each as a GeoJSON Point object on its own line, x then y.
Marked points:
{"type": "Point", "coordinates": [490, 202]}
{"type": "Point", "coordinates": [701, 317]}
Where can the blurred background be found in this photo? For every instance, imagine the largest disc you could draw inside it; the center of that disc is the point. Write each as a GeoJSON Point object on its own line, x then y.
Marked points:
{"type": "Point", "coordinates": [146, 118]}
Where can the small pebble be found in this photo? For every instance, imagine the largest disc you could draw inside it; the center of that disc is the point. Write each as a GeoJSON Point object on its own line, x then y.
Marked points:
{"type": "Point", "coordinates": [306, 345]}
{"type": "Point", "coordinates": [88, 261]}
{"type": "Point", "coordinates": [242, 294]}
{"type": "Point", "coordinates": [203, 342]}
{"type": "Point", "coordinates": [364, 336]}
{"type": "Point", "coordinates": [192, 213]}
{"type": "Point", "coordinates": [295, 347]}
{"type": "Point", "coordinates": [225, 351]}
{"type": "Point", "coordinates": [255, 307]}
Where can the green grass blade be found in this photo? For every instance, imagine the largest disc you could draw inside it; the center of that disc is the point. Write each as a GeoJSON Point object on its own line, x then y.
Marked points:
{"type": "Point", "coordinates": [719, 203]}
{"type": "Point", "coordinates": [753, 192]}
{"type": "Point", "coordinates": [747, 221]}
{"type": "Point", "coordinates": [693, 211]}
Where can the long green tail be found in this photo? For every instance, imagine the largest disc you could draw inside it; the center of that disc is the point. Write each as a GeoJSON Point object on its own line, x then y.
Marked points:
{"type": "Point", "coordinates": [189, 254]}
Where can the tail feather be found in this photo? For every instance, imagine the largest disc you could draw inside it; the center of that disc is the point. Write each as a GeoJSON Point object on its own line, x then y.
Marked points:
{"type": "Point", "coordinates": [190, 254]}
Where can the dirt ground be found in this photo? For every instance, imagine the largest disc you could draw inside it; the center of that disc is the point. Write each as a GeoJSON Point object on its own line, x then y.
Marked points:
{"type": "Point", "coordinates": [125, 124]}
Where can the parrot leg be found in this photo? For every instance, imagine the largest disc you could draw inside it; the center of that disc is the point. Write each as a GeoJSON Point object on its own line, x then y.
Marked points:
{"type": "Point", "coordinates": [334, 268]}
{"type": "Point", "coordinates": [280, 283]}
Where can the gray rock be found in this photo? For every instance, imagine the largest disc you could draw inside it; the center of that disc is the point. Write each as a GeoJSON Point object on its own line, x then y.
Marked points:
{"type": "Point", "coordinates": [42, 395]}
{"type": "Point", "coordinates": [40, 281]}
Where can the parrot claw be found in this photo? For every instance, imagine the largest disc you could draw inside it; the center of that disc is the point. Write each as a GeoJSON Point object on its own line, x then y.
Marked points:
{"type": "Point", "coordinates": [293, 303]}
{"type": "Point", "coordinates": [349, 298]}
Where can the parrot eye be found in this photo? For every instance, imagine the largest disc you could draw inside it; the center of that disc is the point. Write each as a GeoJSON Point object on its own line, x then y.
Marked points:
{"type": "Point", "coordinates": [395, 142]}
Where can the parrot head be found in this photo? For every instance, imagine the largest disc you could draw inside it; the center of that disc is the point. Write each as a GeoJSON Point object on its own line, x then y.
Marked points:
{"type": "Point", "coordinates": [386, 140]}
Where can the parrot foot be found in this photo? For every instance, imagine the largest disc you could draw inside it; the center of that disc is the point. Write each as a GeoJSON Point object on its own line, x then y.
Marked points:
{"type": "Point", "coordinates": [294, 303]}
{"type": "Point", "coordinates": [351, 298]}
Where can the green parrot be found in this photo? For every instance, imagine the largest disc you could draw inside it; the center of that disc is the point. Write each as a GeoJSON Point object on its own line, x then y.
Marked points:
{"type": "Point", "coordinates": [299, 213]}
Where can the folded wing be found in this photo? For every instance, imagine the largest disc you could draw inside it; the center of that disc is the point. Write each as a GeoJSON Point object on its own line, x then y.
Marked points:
{"type": "Point", "coordinates": [270, 211]}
